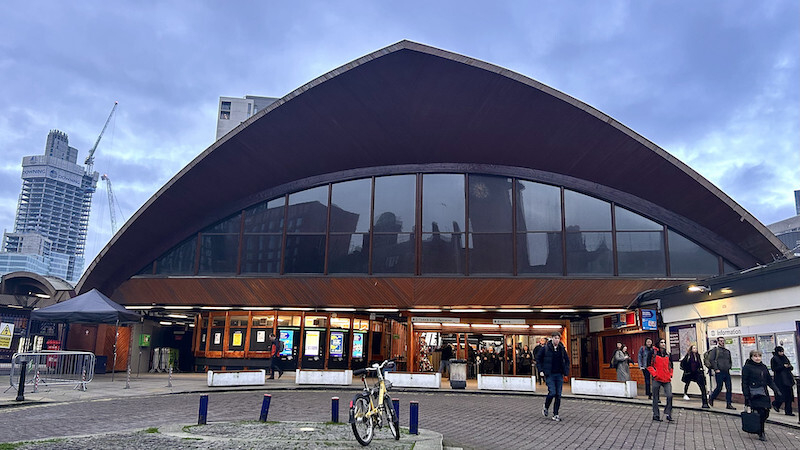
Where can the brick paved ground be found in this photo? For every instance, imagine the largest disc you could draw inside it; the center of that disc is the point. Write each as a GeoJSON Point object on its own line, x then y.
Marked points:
{"type": "Point", "coordinates": [474, 421]}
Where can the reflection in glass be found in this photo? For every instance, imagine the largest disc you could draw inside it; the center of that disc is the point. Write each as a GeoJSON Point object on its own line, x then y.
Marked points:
{"type": "Point", "coordinates": [443, 253]}
{"type": "Point", "coordinates": [393, 253]}
{"type": "Point", "coordinates": [641, 253]}
{"type": "Point", "coordinates": [229, 225]}
{"type": "Point", "coordinates": [489, 204]}
{"type": "Point", "coordinates": [538, 207]}
{"type": "Point", "coordinates": [589, 254]}
{"type": "Point", "coordinates": [539, 253]}
{"type": "Point", "coordinates": [308, 211]}
{"type": "Point", "coordinates": [630, 221]}
{"type": "Point", "coordinates": [261, 253]}
{"type": "Point", "coordinates": [218, 253]}
{"type": "Point", "coordinates": [443, 203]}
{"type": "Point", "coordinates": [179, 260]}
{"type": "Point", "coordinates": [585, 213]}
{"type": "Point", "coordinates": [687, 259]}
{"type": "Point", "coordinates": [395, 197]}
{"type": "Point", "coordinates": [490, 253]}
{"type": "Point", "coordinates": [348, 253]}
{"type": "Point", "coordinates": [304, 254]}
{"type": "Point", "coordinates": [353, 198]}
{"type": "Point", "coordinates": [265, 217]}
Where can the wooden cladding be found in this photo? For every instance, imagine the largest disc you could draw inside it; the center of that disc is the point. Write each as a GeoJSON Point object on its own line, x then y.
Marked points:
{"type": "Point", "coordinates": [365, 292]}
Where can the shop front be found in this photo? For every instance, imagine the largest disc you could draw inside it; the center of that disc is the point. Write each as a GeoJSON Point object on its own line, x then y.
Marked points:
{"type": "Point", "coordinates": [629, 328]}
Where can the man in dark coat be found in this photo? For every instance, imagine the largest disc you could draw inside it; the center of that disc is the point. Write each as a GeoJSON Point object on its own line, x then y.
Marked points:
{"type": "Point", "coordinates": [553, 364]}
{"type": "Point", "coordinates": [720, 362]}
{"type": "Point", "coordinates": [784, 379]}
{"type": "Point", "coordinates": [274, 361]}
{"type": "Point", "coordinates": [539, 347]}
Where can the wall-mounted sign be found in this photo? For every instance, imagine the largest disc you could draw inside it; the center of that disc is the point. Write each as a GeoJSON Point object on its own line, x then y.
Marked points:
{"type": "Point", "coordinates": [649, 319]}
{"type": "Point", "coordinates": [508, 321]}
{"type": "Point", "coordinates": [287, 337]}
{"type": "Point", "coordinates": [418, 319]}
{"type": "Point", "coordinates": [358, 345]}
{"type": "Point", "coordinates": [312, 343]}
{"type": "Point", "coordinates": [6, 334]}
{"type": "Point", "coordinates": [237, 339]}
{"type": "Point", "coordinates": [337, 344]}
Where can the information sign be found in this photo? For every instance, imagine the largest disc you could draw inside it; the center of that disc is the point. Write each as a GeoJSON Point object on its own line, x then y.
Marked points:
{"type": "Point", "coordinates": [336, 345]}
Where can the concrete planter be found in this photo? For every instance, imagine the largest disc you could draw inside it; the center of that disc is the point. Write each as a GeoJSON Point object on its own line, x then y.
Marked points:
{"type": "Point", "coordinates": [237, 378]}
{"type": "Point", "coordinates": [330, 377]}
{"type": "Point", "coordinates": [420, 380]}
{"type": "Point", "coordinates": [604, 388]}
{"type": "Point", "coordinates": [525, 383]}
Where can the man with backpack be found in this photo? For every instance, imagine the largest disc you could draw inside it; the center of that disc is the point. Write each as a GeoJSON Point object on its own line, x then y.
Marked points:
{"type": "Point", "coordinates": [718, 359]}
{"type": "Point", "coordinates": [276, 348]}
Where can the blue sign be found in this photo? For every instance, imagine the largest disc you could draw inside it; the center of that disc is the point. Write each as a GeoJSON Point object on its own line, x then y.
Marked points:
{"type": "Point", "coordinates": [337, 344]}
{"type": "Point", "coordinates": [287, 336]}
{"type": "Point", "coordinates": [649, 320]}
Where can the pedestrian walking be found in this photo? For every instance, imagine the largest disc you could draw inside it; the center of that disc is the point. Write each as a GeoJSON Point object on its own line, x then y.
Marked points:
{"type": "Point", "coordinates": [692, 366]}
{"type": "Point", "coordinates": [539, 347]}
{"type": "Point", "coordinates": [621, 361]}
{"type": "Point", "coordinates": [784, 379]}
{"type": "Point", "coordinates": [526, 361]}
{"type": "Point", "coordinates": [755, 380]}
{"type": "Point", "coordinates": [276, 347]}
{"type": "Point", "coordinates": [661, 371]}
{"type": "Point", "coordinates": [643, 358]}
{"type": "Point", "coordinates": [444, 362]}
{"type": "Point", "coordinates": [553, 363]}
{"type": "Point", "coordinates": [720, 362]}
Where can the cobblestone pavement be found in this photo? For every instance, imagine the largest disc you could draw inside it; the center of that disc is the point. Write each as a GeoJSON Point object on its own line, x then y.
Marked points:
{"type": "Point", "coordinates": [473, 421]}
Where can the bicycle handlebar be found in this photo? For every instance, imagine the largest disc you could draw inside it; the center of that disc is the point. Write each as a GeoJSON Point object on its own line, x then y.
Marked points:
{"type": "Point", "coordinates": [374, 367]}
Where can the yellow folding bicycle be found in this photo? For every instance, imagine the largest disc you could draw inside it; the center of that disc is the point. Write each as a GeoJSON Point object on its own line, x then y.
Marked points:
{"type": "Point", "coordinates": [372, 408]}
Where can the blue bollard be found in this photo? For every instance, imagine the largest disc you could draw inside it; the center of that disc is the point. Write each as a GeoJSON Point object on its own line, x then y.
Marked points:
{"type": "Point", "coordinates": [202, 418]}
{"type": "Point", "coordinates": [396, 404]}
{"type": "Point", "coordinates": [265, 408]}
{"type": "Point", "coordinates": [413, 425]}
{"type": "Point", "coordinates": [335, 409]}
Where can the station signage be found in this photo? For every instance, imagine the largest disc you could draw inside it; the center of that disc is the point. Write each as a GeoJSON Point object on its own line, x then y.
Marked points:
{"type": "Point", "coordinates": [435, 319]}
{"type": "Point", "coordinates": [508, 321]}
{"type": "Point", "coordinates": [649, 320]}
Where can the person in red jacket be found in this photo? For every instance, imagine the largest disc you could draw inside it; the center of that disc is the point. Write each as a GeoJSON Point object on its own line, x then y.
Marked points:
{"type": "Point", "coordinates": [660, 369]}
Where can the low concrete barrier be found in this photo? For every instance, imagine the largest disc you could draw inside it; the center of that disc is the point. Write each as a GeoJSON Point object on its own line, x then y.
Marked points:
{"type": "Point", "coordinates": [237, 378]}
{"type": "Point", "coordinates": [333, 377]}
{"type": "Point", "coordinates": [422, 380]}
{"type": "Point", "coordinates": [525, 383]}
{"type": "Point", "coordinates": [603, 388]}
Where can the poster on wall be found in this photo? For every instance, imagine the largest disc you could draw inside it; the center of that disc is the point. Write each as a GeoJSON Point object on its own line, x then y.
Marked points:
{"type": "Point", "coordinates": [766, 345]}
{"type": "Point", "coordinates": [237, 339]}
{"type": "Point", "coordinates": [7, 334]}
{"type": "Point", "coordinates": [287, 336]}
{"type": "Point", "coordinates": [748, 343]}
{"type": "Point", "coordinates": [337, 347]}
{"type": "Point", "coordinates": [312, 343]}
{"type": "Point", "coordinates": [649, 320]}
{"type": "Point", "coordinates": [732, 344]}
{"type": "Point", "coordinates": [681, 338]}
{"type": "Point", "coordinates": [787, 341]}
{"type": "Point", "coordinates": [217, 338]}
{"type": "Point", "coordinates": [358, 345]}
{"type": "Point", "coordinates": [261, 336]}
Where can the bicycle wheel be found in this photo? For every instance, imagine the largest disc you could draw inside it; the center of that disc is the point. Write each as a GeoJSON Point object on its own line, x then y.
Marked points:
{"type": "Point", "coordinates": [362, 425]}
{"type": "Point", "coordinates": [391, 417]}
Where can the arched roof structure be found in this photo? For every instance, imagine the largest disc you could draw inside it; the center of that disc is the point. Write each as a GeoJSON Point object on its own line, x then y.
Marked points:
{"type": "Point", "coordinates": [414, 105]}
{"type": "Point", "coordinates": [34, 289]}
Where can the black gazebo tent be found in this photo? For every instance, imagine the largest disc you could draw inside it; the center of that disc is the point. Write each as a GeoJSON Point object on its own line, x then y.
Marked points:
{"type": "Point", "coordinates": [91, 307]}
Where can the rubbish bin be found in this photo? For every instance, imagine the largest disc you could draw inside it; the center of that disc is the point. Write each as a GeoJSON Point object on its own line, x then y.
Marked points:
{"type": "Point", "coordinates": [458, 373]}
{"type": "Point", "coordinates": [100, 362]}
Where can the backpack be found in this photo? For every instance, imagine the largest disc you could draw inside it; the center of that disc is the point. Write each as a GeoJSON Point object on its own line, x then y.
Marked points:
{"type": "Point", "coordinates": [707, 358]}
{"type": "Point", "coordinates": [279, 346]}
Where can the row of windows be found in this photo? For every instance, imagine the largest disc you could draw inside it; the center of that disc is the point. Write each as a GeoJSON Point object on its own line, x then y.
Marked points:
{"type": "Point", "coordinates": [469, 224]}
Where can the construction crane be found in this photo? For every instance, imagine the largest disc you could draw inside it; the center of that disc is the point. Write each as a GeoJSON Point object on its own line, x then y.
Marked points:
{"type": "Point", "coordinates": [90, 157]}
{"type": "Point", "coordinates": [112, 203]}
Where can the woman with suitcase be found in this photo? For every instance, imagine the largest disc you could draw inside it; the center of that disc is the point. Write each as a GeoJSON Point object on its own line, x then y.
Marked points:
{"type": "Point", "coordinates": [755, 380]}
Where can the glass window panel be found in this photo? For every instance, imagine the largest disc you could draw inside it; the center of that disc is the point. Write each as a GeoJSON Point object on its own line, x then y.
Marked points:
{"type": "Point", "coordinates": [316, 321]}
{"type": "Point", "coordinates": [238, 320]}
{"type": "Point", "coordinates": [308, 211]}
{"type": "Point", "coordinates": [443, 253]}
{"type": "Point", "coordinates": [361, 324]}
{"type": "Point", "coordinates": [539, 253]}
{"type": "Point", "coordinates": [288, 321]}
{"type": "Point", "coordinates": [261, 253]}
{"type": "Point", "coordinates": [630, 221]}
{"type": "Point", "coordinates": [489, 204]}
{"type": "Point", "coordinates": [179, 260]}
{"type": "Point", "coordinates": [146, 270]}
{"type": "Point", "coordinates": [218, 321]}
{"type": "Point", "coordinates": [589, 254]}
{"type": "Point", "coordinates": [304, 254]}
{"type": "Point", "coordinates": [585, 213]}
{"type": "Point", "coordinates": [490, 253]}
{"type": "Point", "coordinates": [340, 322]}
{"type": "Point", "coordinates": [687, 259]}
{"type": "Point", "coordinates": [641, 253]}
{"type": "Point", "coordinates": [348, 253]}
{"type": "Point", "coordinates": [230, 225]}
{"type": "Point", "coordinates": [538, 207]}
{"type": "Point", "coordinates": [218, 253]}
{"type": "Point", "coordinates": [443, 203]}
{"type": "Point", "coordinates": [350, 202]}
{"type": "Point", "coordinates": [265, 217]}
{"type": "Point", "coordinates": [393, 253]}
{"type": "Point", "coordinates": [395, 197]}
{"type": "Point", "coordinates": [728, 267]}
{"type": "Point", "coordinates": [263, 320]}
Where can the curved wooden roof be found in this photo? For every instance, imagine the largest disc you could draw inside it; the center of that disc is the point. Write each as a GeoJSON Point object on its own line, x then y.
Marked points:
{"type": "Point", "coordinates": [410, 104]}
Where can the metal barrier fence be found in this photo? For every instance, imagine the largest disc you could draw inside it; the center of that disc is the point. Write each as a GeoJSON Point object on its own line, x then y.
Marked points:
{"type": "Point", "coordinates": [53, 367]}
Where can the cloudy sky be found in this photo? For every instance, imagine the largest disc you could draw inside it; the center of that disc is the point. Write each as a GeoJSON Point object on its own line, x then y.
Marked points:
{"type": "Point", "coordinates": [715, 83]}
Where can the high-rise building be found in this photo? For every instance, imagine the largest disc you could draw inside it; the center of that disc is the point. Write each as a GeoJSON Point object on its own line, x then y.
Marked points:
{"type": "Point", "coordinates": [52, 213]}
{"type": "Point", "coordinates": [235, 110]}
